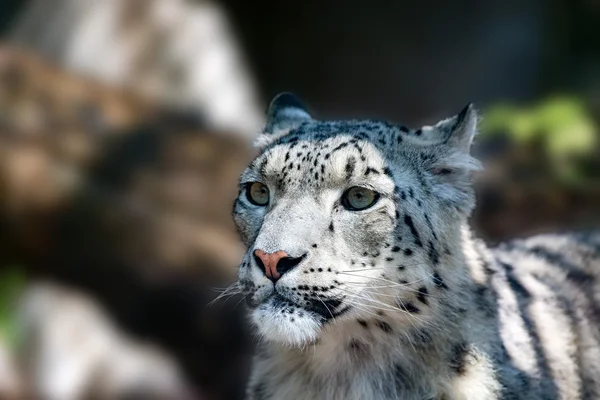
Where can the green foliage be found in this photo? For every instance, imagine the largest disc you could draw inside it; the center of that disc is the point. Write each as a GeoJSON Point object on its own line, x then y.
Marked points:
{"type": "Point", "coordinates": [561, 125]}
{"type": "Point", "coordinates": [12, 282]}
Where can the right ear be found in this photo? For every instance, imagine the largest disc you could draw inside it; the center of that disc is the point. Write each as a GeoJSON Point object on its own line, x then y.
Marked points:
{"type": "Point", "coordinates": [286, 112]}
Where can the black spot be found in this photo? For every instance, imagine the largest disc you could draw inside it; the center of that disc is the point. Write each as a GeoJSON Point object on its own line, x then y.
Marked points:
{"type": "Point", "coordinates": [433, 253]}
{"type": "Point", "coordinates": [320, 269]}
{"type": "Point", "coordinates": [409, 307]}
{"type": "Point", "coordinates": [403, 129]}
{"type": "Point", "coordinates": [418, 132]}
{"type": "Point", "coordinates": [421, 336]}
{"type": "Point", "coordinates": [408, 252]}
{"type": "Point", "coordinates": [350, 165]}
{"type": "Point", "coordinates": [384, 326]}
{"type": "Point", "coordinates": [458, 356]}
{"type": "Point", "coordinates": [430, 226]}
{"type": "Point", "coordinates": [263, 166]}
{"type": "Point", "coordinates": [370, 170]}
{"type": "Point", "coordinates": [403, 195]}
{"type": "Point", "coordinates": [356, 345]}
{"type": "Point", "coordinates": [314, 245]}
{"type": "Point", "coordinates": [409, 222]}
{"type": "Point", "coordinates": [287, 156]}
{"type": "Point", "coordinates": [438, 281]}
{"type": "Point", "coordinates": [341, 146]}
{"type": "Point", "coordinates": [395, 249]}
{"type": "Point", "coordinates": [388, 172]}
{"type": "Point", "coordinates": [517, 287]}
{"type": "Point", "coordinates": [331, 226]}
{"type": "Point", "coordinates": [422, 295]}
{"type": "Point", "coordinates": [389, 259]}
{"type": "Point", "coordinates": [363, 323]}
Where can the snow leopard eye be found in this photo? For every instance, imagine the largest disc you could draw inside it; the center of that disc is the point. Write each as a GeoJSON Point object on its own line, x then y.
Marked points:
{"type": "Point", "coordinates": [257, 193]}
{"type": "Point", "coordinates": [359, 198]}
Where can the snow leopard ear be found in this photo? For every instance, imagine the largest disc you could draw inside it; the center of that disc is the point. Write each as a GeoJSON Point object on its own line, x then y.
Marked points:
{"type": "Point", "coordinates": [458, 131]}
{"type": "Point", "coordinates": [446, 157]}
{"type": "Point", "coordinates": [285, 113]}
{"type": "Point", "coordinates": [451, 139]}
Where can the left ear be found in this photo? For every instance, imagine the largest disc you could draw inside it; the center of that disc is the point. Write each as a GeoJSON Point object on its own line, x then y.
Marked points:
{"type": "Point", "coordinates": [286, 112]}
{"type": "Point", "coordinates": [458, 131]}
{"type": "Point", "coordinates": [452, 138]}
{"type": "Point", "coordinates": [449, 161]}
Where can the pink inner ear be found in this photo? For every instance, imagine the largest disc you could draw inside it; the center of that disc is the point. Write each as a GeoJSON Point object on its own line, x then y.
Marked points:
{"type": "Point", "coordinates": [442, 171]}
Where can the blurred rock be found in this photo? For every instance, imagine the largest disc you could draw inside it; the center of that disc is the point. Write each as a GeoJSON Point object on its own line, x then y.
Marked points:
{"type": "Point", "coordinates": [180, 52]}
{"type": "Point", "coordinates": [37, 97]}
{"type": "Point", "coordinates": [136, 213]}
{"type": "Point", "coordinates": [72, 350]}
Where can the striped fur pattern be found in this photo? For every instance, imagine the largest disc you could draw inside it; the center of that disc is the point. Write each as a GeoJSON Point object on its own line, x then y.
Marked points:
{"type": "Point", "coordinates": [398, 301]}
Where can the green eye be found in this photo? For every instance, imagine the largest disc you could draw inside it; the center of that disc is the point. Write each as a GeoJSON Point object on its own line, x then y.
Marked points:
{"type": "Point", "coordinates": [257, 193]}
{"type": "Point", "coordinates": [359, 198]}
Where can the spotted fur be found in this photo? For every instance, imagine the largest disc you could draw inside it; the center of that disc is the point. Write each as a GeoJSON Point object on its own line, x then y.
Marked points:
{"type": "Point", "coordinates": [397, 301]}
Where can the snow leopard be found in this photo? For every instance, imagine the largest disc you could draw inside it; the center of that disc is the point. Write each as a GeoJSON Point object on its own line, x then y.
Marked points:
{"type": "Point", "coordinates": [364, 281]}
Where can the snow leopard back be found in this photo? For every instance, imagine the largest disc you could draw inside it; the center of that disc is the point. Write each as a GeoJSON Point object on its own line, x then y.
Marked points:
{"type": "Point", "coordinates": [544, 291]}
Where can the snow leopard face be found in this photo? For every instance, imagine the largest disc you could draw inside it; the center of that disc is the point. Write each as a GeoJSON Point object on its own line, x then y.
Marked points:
{"type": "Point", "coordinates": [350, 219]}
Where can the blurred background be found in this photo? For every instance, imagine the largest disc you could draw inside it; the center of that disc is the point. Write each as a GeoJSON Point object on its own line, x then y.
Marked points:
{"type": "Point", "coordinates": [124, 125]}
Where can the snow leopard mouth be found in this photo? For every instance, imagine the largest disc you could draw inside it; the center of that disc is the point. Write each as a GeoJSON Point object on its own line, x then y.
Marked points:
{"type": "Point", "coordinates": [324, 308]}
{"type": "Point", "coordinates": [329, 309]}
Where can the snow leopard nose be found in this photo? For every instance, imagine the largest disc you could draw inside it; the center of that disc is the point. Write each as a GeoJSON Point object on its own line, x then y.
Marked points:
{"type": "Point", "coordinates": [275, 264]}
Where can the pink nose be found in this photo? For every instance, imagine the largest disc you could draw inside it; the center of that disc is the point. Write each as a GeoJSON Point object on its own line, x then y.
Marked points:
{"type": "Point", "coordinates": [270, 261]}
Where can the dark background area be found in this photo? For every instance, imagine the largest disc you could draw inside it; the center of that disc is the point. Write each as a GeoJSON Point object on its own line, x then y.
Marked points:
{"type": "Point", "coordinates": [417, 61]}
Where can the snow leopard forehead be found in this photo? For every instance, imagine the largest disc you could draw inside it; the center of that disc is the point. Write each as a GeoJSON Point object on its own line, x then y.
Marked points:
{"type": "Point", "coordinates": [299, 151]}
{"type": "Point", "coordinates": [318, 155]}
